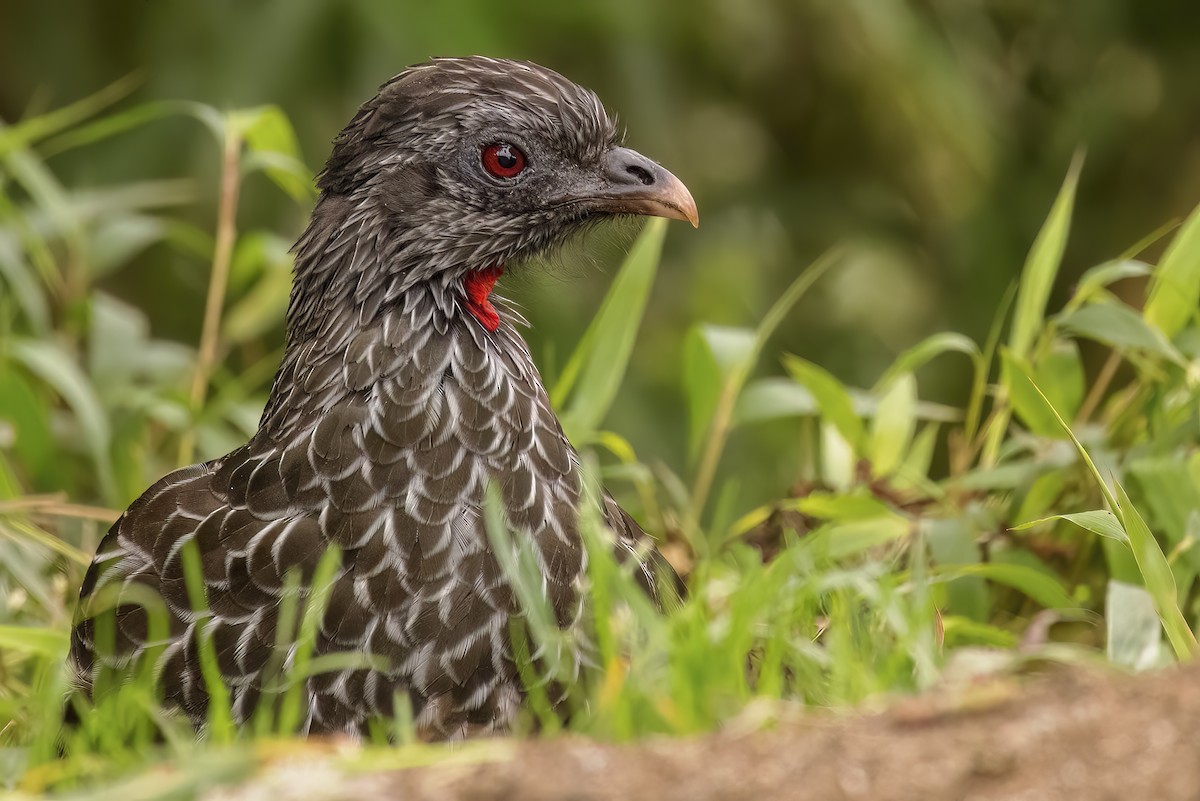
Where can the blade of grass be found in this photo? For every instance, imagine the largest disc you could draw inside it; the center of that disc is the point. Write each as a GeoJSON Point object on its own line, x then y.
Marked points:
{"type": "Point", "coordinates": [1041, 266]}
{"type": "Point", "coordinates": [294, 704]}
{"type": "Point", "coordinates": [1037, 279]}
{"type": "Point", "coordinates": [972, 437]}
{"type": "Point", "coordinates": [593, 374]}
{"type": "Point", "coordinates": [111, 125]}
{"type": "Point", "coordinates": [29, 131]}
{"type": "Point", "coordinates": [33, 640]}
{"type": "Point", "coordinates": [220, 727]}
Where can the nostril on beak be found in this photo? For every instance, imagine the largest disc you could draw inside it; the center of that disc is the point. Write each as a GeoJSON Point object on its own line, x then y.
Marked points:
{"type": "Point", "coordinates": [641, 174]}
{"type": "Point", "coordinates": [626, 167]}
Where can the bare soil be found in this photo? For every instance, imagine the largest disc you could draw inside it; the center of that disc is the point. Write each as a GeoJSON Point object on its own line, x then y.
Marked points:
{"type": "Point", "coordinates": [1070, 735]}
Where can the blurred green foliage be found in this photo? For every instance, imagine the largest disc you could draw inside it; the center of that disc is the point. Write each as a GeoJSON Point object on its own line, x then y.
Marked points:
{"type": "Point", "coordinates": [931, 133]}
{"type": "Point", "coordinates": [926, 373]}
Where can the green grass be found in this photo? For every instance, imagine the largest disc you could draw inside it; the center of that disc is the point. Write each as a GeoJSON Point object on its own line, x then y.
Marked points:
{"type": "Point", "coordinates": [914, 531]}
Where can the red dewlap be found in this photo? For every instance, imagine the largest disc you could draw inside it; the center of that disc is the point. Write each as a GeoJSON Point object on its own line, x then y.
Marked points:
{"type": "Point", "coordinates": [478, 285]}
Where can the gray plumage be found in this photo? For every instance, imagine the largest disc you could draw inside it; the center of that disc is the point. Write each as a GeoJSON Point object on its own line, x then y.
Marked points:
{"type": "Point", "coordinates": [398, 400]}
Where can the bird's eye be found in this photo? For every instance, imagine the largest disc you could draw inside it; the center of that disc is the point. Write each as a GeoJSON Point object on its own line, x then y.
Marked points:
{"type": "Point", "coordinates": [503, 160]}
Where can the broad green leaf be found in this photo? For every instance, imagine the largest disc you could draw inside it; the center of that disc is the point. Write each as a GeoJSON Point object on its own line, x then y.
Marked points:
{"type": "Point", "coordinates": [773, 398]}
{"type": "Point", "coordinates": [1170, 495]}
{"type": "Point", "coordinates": [20, 282]}
{"type": "Point", "coordinates": [702, 387]}
{"type": "Point", "coordinates": [1098, 521]}
{"type": "Point", "coordinates": [919, 458]}
{"type": "Point", "coordinates": [52, 364]}
{"type": "Point", "coordinates": [821, 505]}
{"type": "Point", "coordinates": [926, 350]}
{"type": "Point", "coordinates": [1175, 286]}
{"type": "Point", "coordinates": [52, 199]}
{"type": "Point", "coordinates": [839, 462]}
{"type": "Point", "coordinates": [963, 631]}
{"type": "Point", "coordinates": [1029, 409]}
{"type": "Point", "coordinates": [893, 425]}
{"type": "Point", "coordinates": [595, 370]}
{"type": "Point", "coordinates": [1102, 275]}
{"type": "Point", "coordinates": [1134, 633]}
{"type": "Point", "coordinates": [953, 542]}
{"type": "Point", "coordinates": [116, 240]}
{"type": "Point", "coordinates": [274, 147]}
{"type": "Point", "coordinates": [1059, 373]}
{"type": "Point", "coordinates": [262, 264]}
{"type": "Point", "coordinates": [710, 354]}
{"type": "Point", "coordinates": [843, 540]}
{"type": "Point", "coordinates": [840, 507]}
{"type": "Point", "coordinates": [1041, 267]}
{"type": "Point", "coordinates": [25, 411]}
{"type": "Point", "coordinates": [1009, 476]}
{"type": "Point", "coordinates": [1042, 495]}
{"type": "Point", "coordinates": [831, 395]}
{"type": "Point", "coordinates": [1038, 586]}
{"type": "Point", "coordinates": [117, 335]}
{"type": "Point", "coordinates": [25, 562]}
{"type": "Point", "coordinates": [1121, 327]}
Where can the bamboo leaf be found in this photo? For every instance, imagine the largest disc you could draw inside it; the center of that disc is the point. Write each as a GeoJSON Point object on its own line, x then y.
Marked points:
{"type": "Point", "coordinates": [1038, 586]}
{"type": "Point", "coordinates": [274, 149]}
{"type": "Point", "coordinates": [831, 395]}
{"type": "Point", "coordinates": [928, 349]}
{"type": "Point", "coordinates": [1175, 287]}
{"type": "Point", "coordinates": [1098, 521]}
{"type": "Point", "coordinates": [52, 364]}
{"type": "Point", "coordinates": [1102, 275]}
{"type": "Point", "coordinates": [1157, 575]}
{"type": "Point", "coordinates": [1121, 327]}
{"type": "Point", "coordinates": [1041, 267]}
{"type": "Point", "coordinates": [1151, 561]}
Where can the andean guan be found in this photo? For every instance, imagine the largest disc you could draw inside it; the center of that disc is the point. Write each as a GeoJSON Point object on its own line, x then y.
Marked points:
{"type": "Point", "coordinates": [403, 393]}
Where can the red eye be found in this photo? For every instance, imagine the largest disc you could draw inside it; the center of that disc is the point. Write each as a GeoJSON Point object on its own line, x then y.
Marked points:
{"type": "Point", "coordinates": [503, 160]}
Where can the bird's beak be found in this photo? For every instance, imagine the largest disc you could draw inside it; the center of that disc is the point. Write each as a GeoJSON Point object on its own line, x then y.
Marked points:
{"type": "Point", "coordinates": [633, 184]}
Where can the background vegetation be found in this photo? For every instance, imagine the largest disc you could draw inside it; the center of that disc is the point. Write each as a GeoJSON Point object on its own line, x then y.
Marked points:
{"type": "Point", "coordinates": [870, 175]}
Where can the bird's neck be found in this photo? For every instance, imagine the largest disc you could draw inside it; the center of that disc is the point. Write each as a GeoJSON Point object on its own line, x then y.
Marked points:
{"type": "Point", "coordinates": [362, 300]}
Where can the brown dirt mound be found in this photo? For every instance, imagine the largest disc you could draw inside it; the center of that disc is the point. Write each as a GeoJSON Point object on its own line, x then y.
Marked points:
{"type": "Point", "coordinates": [1072, 735]}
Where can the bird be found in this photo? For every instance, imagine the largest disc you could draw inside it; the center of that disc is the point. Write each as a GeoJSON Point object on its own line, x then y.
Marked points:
{"type": "Point", "coordinates": [405, 391]}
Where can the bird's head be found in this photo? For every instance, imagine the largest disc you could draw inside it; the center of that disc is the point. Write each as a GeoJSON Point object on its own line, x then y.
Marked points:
{"type": "Point", "coordinates": [470, 163]}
